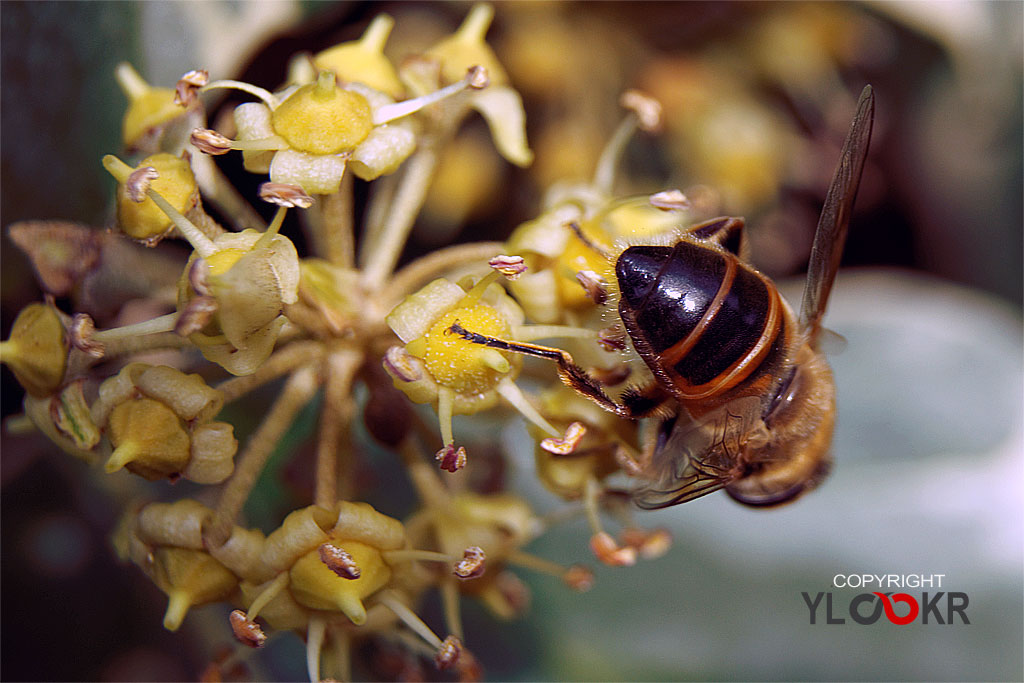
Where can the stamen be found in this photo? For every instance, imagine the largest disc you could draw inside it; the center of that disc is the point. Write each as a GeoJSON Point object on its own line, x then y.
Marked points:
{"type": "Point", "coordinates": [670, 200]}
{"type": "Point", "coordinates": [448, 654]}
{"type": "Point", "coordinates": [508, 390]}
{"type": "Point", "coordinates": [529, 333]}
{"type": "Point", "coordinates": [509, 266]}
{"type": "Point", "coordinates": [188, 85]}
{"type": "Point", "coordinates": [246, 632]}
{"type": "Point", "coordinates": [566, 444]}
{"type": "Point", "coordinates": [163, 323]}
{"type": "Point", "coordinates": [450, 458]}
{"type": "Point", "coordinates": [315, 631]}
{"type": "Point", "coordinates": [646, 108]}
{"type": "Point", "coordinates": [267, 594]}
{"type": "Point", "coordinates": [339, 561]}
{"type": "Point", "coordinates": [284, 194]}
{"type": "Point", "coordinates": [254, 90]}
{"type": "Point", "coordinates": [409, 618]}
{"type": "Point", "coordinates": [472, 563]}
{"type": "Point", "coordinates": [445, 405]}
{"type": "Point", "coordinates": [477, 290]}
{"type": "Point", "coordinates": [81, 334]}
{"type": "Point", "coordinates": [476, 79]}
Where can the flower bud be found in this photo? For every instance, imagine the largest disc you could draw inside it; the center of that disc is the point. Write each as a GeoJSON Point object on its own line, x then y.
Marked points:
{"type": "Point", "coordinates": [159, 421]}
{"type": "Point", "coordinates": [174, 182]}
{"type": "Point", "coordinates": [37, 350]}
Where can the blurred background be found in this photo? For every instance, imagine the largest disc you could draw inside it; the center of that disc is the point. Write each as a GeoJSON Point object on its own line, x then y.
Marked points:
{"type": "Point", "coordinates": [929, 474]}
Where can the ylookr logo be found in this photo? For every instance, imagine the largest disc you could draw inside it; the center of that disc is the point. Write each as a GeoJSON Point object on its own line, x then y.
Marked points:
{"type": "Point", "coordinates": [899, 608]}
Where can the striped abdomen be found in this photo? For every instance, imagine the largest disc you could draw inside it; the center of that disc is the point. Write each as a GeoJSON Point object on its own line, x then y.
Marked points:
{"type": "Point", "coordinates": [702, 319]}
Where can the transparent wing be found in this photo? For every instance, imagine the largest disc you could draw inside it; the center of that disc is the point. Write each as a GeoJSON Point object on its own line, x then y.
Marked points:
{"type": "Point", "coordinates": [835, 217]}
{"type": "Point", "coordinates": [700, 456]}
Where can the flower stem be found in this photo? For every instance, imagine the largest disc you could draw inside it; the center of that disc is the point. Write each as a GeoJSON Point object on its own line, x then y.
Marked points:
{"type": "Point", "coordinates": [408, 617]}
{"type": "Point", "coordinates": [408, 201]}
{"type": "Point", "coordinates": [430, 266]}
{"type": "Point", "coordinates": [335, 416]}
{"type": "Point", "coordinates": [338, 230]}
{"type": "Point", "coordinates": [281, 362]}
{"type": "Point", "coordinates": [297, 392]}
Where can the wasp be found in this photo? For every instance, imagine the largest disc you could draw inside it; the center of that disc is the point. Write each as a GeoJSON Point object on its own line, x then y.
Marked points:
{"type": "Point", "coordinates": [745, 396]}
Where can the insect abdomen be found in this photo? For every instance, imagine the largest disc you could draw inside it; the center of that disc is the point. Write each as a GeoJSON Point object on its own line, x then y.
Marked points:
{"type": "Point", "coordinates": [701, 318]}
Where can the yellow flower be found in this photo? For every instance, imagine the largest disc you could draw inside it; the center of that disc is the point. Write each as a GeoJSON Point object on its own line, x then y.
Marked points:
{"type": "Point", "coordinates": [159, 421]}
{"type": "Point", "coordinates": [37, 350]}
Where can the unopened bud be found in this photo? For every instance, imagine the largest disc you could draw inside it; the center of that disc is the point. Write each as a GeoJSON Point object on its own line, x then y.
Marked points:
{"type": "Point", "coordinates": [284, 194]}
{"type": "Point", "coordinates": [247, 632]}
{"type": "Point", "coordinates": [472, 563]}
{"type": "Point", "coordinates": [339, 561]}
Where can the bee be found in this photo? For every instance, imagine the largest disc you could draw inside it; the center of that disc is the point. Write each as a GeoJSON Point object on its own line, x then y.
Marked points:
{"type": "Point", "coordinates": [749, 396]}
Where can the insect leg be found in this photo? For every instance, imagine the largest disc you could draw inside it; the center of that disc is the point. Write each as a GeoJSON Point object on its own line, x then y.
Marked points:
{"type": "Point", "coordinates": [570, 373]}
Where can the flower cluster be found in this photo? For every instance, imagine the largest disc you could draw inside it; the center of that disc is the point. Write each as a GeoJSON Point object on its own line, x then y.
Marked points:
{"type": "Point", "coordinates": [244, 310]}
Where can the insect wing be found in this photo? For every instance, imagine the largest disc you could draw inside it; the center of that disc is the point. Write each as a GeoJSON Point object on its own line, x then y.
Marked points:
{"type": "Point", "coordinates": [700, 456]}
{"type": "Point", "coordinates": [830, 235]}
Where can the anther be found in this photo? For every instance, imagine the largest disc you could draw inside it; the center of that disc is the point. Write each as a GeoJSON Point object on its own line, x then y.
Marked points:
{"type": "Point", "coordinates": [246, 631]}
{"type": "Point", "coordinates": [472, 563]}
{"type": "Point", "coordinates": [185, 92]}
{"type": "Point", "coordinates": [138, 183]}
{"type": "Point", "coordinates": [80, 335]}
{"type": "Point", "coordinates": [398, 362]}
{"type": "Point", "coordinates": [210, 142]}
{"type": "Point", "coordinates": [450, 458]}
{"type": "Point", "coordinates": [579, 578]}
{"type": "Point", "coordinates": [646, 108]}
{"type": "Point", "coordinates": [448, 654]}
{"type": "Point", "coordinates": [593, 285]}
{"type": "Point", "coordinates": [670, 200]}
{"type": "Point", "coordinates": [509, 266]}
{"type": "Point", "coordinates": [612, 338]}
{"type": "Point", "coordinates": [567, 443]}
{"type": "Point", "coordinates": [284, 194]}
{"type": "Point", "coordinates": [196, 315]}
{"type": "Point", "coordinates": [610, 552]}
{"type": "Point", "coordinates": [339, 561]}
